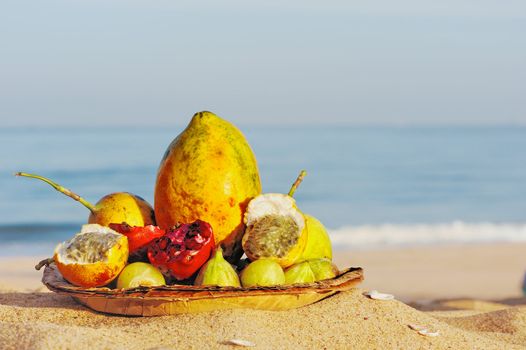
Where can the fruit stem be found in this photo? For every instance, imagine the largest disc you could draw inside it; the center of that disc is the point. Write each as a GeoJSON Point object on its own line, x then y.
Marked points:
{"type": "Point", "coordinates": [61, 189]}
{"type": "Point", "coordinates": [296, 183]}
{"type": "Point", "coordinates": [46, 262]}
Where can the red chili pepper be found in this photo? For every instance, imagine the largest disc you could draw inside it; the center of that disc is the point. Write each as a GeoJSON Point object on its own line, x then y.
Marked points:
{"type": "Point", "coordinates": [183, 249]}
{"type": "Point", "coordinates": [138, 236]}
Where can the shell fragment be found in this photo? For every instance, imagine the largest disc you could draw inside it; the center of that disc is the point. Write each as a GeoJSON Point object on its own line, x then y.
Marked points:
{"type": "Point", "coordinates": [416, 327]}
{"type": "Point", "coordinates": [376, 295]}
{"type": "Point", "coordinates": [240, 342]}
{"type": "Point", "coordinates": [429, 333]}
{"type": "Point", "coordinates": [423, 330]}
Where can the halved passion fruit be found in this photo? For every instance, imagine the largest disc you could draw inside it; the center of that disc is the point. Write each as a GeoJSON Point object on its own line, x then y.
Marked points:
{"type": "Point", "coordinates": [275, 229]}
{"type": "Point", "coordinates": [92, 258]}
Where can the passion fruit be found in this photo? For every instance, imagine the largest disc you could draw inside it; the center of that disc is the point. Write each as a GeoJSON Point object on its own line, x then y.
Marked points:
{"type": "Point", "coordinates": [113, 208]}
{"type": "Point", "coordinates": [276, 229]}
{"type": "Point", "coordinates": [263, 272]}
{"type": "Point", "coordinates": [140, 274]}
{"type": "Point", "coordinates": [92, 258]}
{"type": "Point", "coordinates": [318, 245]}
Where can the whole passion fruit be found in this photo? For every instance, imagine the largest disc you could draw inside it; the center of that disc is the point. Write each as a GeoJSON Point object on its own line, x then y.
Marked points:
{"type": "Point", "coordinates": [140, 274]}
{"type": "Point", "coordinates": [262, 272]}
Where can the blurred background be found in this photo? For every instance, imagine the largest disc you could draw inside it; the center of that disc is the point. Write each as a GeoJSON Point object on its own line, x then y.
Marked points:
{"type": "Point", "coordinates": [409, 116]}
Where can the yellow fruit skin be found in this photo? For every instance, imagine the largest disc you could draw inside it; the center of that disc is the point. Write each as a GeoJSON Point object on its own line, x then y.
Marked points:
{"type": "Point", "coordinates": [122, 207]}
{"type": "Point", "coordinates": [318, 244]}
{"type": "Point", "coordinates": [295, 253]}
{"type": "Point", "coordinates": [208, 172]}
{"type": "Point", "coordinates": [96, 274]}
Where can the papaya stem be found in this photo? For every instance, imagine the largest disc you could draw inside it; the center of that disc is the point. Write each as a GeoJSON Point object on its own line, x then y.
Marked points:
{"type": "Point", "coordinates": [296, 183]}
{"type": "Point", "coordinates": [61, 189]}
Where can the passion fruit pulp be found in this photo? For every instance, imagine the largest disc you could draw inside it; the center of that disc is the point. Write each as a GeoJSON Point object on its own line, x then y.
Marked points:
{"type": "Point", "coordinates": [92, 258]}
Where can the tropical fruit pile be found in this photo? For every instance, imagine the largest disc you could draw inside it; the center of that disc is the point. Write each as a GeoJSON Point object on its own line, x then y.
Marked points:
{"type": "Point", "coordinates": [211, 224]}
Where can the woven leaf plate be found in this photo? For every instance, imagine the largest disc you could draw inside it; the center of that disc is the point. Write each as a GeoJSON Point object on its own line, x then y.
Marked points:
{"type": "Point", "coordinates": [177, 299]}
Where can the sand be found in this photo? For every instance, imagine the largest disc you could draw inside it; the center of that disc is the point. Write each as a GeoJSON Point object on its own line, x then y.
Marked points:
{"type": "Point", "coordinates": [486, 271]}
{"type": "Point", "coordinates": [31, 318]}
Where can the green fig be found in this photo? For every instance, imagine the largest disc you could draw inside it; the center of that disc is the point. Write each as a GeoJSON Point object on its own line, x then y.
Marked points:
{"type": "Point", "coordinates": [310, 271]}
{"type": "Point", "coordinates": [323, 269]}
{"type": "Point", "coordinates": [113, 208]}
{"type": "Point", "coordinates": [318, 244]}
{"type": "Point", "coordinates": [299, 273]}
{"type": "Point", "coordinates": [217, 272]}
{"type": "Point", "coordinates": [262, 272]}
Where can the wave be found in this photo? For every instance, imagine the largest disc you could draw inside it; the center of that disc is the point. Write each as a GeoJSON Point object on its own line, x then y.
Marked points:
{"type": "Point", "coordinates": [396, 235]}
{"type": "Point", "coordinates": [40, 238]}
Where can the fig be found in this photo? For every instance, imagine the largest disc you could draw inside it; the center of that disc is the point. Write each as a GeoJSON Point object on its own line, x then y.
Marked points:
{"type": "Point", "coordinates": [140, 274]}
{"type": "Point", "coordinates": [262, 272]}
{"type": "Point", "coordinates": [113, 208]}
{"type": "Point", "coordinates": [318, 245]}
{"type": "Point", "coordinates": [208, 172]}
{"type": "Point", "coordinates": [299, 273]}
{"type": "Point", "coordinates": [92, 258]}
{"type": "Point", "coordinates": [217, 272]}
{"type": "Point", "coordinates": [275, 229]}
{"type": "Point", "coordinates": [323, 269]}
{"type": "Point", "coordinates": [310, 271]}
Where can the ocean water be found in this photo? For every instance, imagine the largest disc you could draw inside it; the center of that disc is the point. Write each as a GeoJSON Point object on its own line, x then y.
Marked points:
{"type": "Point", "coordinates": [371, 186]}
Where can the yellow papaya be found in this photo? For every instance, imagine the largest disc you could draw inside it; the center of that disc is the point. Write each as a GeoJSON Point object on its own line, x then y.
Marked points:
{"type": "Point", "coordinates": [208, 172]}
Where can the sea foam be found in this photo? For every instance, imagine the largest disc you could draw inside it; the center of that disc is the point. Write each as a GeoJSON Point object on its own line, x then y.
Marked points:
{"type": "Point", "coordinates": [396, 235]}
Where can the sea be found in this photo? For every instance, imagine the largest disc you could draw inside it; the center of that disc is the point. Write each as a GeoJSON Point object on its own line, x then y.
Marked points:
{"type": "Point", "coordinates": [373, 187]}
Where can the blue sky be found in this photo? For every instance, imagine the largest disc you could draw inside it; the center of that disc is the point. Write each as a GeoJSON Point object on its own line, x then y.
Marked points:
{"type": "Point", "coordinates": [119, 62]}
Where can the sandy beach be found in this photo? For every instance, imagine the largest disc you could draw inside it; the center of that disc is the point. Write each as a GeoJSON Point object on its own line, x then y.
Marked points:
{"type": "Point", "coordinates": [470, 295]}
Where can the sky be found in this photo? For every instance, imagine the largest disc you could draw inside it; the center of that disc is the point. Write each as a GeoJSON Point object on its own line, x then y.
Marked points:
{"type": "Point", "coordinates": [144, 63]}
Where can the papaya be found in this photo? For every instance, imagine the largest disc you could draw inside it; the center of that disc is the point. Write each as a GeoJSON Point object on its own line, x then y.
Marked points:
{"type": "Point", "coordinates": [210, 173]}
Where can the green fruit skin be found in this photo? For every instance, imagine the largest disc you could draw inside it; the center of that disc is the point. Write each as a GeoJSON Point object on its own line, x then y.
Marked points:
{"type": "Point", "coordinates": [140, 273]}
{"type": "Point", "coordinates": [318, 242]}
{"type": "Point", "coordinates": [323, 269]}
{"type": "Point", "coordinates": [299, 273]}
{"type": "Point", "coordinates": [262, 272]}
{"type": "Point", "coordinates": [217, 272]}
{"type": "Point", "coordinates": [310, 271]}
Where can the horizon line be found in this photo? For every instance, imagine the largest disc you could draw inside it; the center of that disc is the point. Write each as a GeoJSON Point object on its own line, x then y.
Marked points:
{"type": "Point", "coordinates": [273, 124]}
